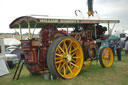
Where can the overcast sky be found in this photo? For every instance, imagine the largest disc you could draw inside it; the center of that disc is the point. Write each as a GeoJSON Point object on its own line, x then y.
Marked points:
{"type": "Point", "coordinates": [109, 9]}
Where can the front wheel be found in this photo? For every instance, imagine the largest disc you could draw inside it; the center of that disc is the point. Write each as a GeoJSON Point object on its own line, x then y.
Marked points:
{"type": "Point", "coordinates": [65, 57]}
{"type": "Point", "coordinates": [106, 57]}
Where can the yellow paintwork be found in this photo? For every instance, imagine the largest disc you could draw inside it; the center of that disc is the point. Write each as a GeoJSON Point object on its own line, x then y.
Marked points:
{"type": "Point", "coordinates": [69, 58]}
{"type": "Point", "coordinates": [107, 57]}
{"type": "Point", "coordinates": [90, 13]}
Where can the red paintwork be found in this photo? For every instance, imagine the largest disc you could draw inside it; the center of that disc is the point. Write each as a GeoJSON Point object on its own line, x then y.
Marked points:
{"type": "Point", "coordinates": [37, 54]}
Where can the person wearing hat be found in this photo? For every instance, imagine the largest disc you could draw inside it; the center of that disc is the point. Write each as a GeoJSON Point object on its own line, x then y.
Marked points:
{"type": "Point", "coordinates": [118, 50]}
{"type": "Point", "coordinates": [112, 46]}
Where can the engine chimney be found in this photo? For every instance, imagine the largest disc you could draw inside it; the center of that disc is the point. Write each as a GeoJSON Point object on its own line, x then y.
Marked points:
{"type": "Point", "coordinates": [90, 7]}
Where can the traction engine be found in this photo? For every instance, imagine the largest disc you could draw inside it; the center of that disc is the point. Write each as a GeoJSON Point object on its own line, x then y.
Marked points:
{"type": "Point", "coordinates": [63, 53]}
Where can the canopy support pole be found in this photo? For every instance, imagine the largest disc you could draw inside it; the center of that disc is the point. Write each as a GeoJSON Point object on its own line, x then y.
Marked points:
{"type": "Point", "coordinates": [67, 29]}
{"type": "Point", "coordinates": [112, 28]}
{"type": "Point", "coordinates": [29, 30]}
{"type": "Point", "coordinates": [108, 27]}
{"type": "Point", "coordinates": [20, 32]}
{"type": "Point", "coordinates": [34, 30]}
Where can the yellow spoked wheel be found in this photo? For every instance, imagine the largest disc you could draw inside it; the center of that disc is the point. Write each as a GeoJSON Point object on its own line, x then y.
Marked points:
{"type": "Point", "coordinates": [106, 57]}
{"type": "Point", "coordinates": [65, 57]}
{"type": "Point", "coordinates": [88, 62]}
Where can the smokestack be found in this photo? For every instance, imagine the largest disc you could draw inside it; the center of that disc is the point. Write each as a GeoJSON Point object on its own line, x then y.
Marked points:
{"type": "Point", "coordinates": [90, 7]}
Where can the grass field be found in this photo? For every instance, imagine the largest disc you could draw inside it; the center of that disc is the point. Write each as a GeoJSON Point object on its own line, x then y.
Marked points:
{"type": "Point", "coordinates": [92, 75]}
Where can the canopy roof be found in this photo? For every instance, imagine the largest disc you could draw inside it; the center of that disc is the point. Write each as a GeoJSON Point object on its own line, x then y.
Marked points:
{"type": "Point", "coordinates": [35, 22]}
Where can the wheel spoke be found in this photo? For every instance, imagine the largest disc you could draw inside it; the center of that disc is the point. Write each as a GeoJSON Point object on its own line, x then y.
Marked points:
{"type": "Point", "coordinates": [58, 50]}
{"type": "Point", "coordinates": [74, 64]}
{"type": "Point", "coordinates": [70, 65]}
{"type": "Point", "coordinates": [58, 54]}
{"type": "Point", "coordinates": [74, 50]}
{"type": "Point", "coordinates": [59, 66]}
{"type": "Point", "coordinates": [74, 61]}
{"type": "Point", "coordinates": [62, 65]}
{"type": "Point", "coordinates": [65, 47]}
{"type": "Point", "coordinates": [69, 68]}
{"type": "Point", "coordinates": [61, 49]}
{"type": "Point", "coordinates": [76, 57]}
{"type": "Point", "coordinates": [60, 61]}
{"type": "Point", "coordinates": [64, 70]}
{"type": "Point", "coordinates": [58, 58]}
{"type": "Point", "coordinates": [69, 47]}
{"type": "Point", "coordinates": [73, 54]}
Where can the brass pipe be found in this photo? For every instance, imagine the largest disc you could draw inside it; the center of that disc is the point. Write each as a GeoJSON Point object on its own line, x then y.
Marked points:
{"type": "Point", "coordinates": [34, 30]}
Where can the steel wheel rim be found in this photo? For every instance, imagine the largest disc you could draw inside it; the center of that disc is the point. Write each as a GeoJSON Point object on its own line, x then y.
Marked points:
{"type": "Point", "coordinates": [107, 57]}
{"type": "Point", "coordinates": [68, 58]}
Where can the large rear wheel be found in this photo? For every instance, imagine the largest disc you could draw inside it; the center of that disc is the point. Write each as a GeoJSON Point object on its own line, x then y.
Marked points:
{"type": "Point", "coordinates": [106, 57]}
{"type": "Point", "coordinates": [65, 57]}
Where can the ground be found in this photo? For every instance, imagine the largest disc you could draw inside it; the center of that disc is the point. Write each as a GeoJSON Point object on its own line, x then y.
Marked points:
{"type": "Point", "coordinates": [92, 75]}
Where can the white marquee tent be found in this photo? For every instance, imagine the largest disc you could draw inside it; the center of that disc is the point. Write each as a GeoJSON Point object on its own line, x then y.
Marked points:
{"type": "Point", "coordinates": [3, 66]}
{"type": "Point", "coordinates": [11, 41]}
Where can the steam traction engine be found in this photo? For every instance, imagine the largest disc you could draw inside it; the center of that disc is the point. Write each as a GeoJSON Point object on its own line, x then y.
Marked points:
{"type": "Point", "coordinates": [60, 52]}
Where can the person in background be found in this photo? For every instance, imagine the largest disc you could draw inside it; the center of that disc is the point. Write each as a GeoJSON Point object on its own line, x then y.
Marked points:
{"type": "Point", "coordinates": [126, 46]}
{"type": "Point", "coordinates": [118, 50]}
{"type": "Point", "coordinates": [123, 44]}
{"type": "Point", "coordinates": [112, 46]}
